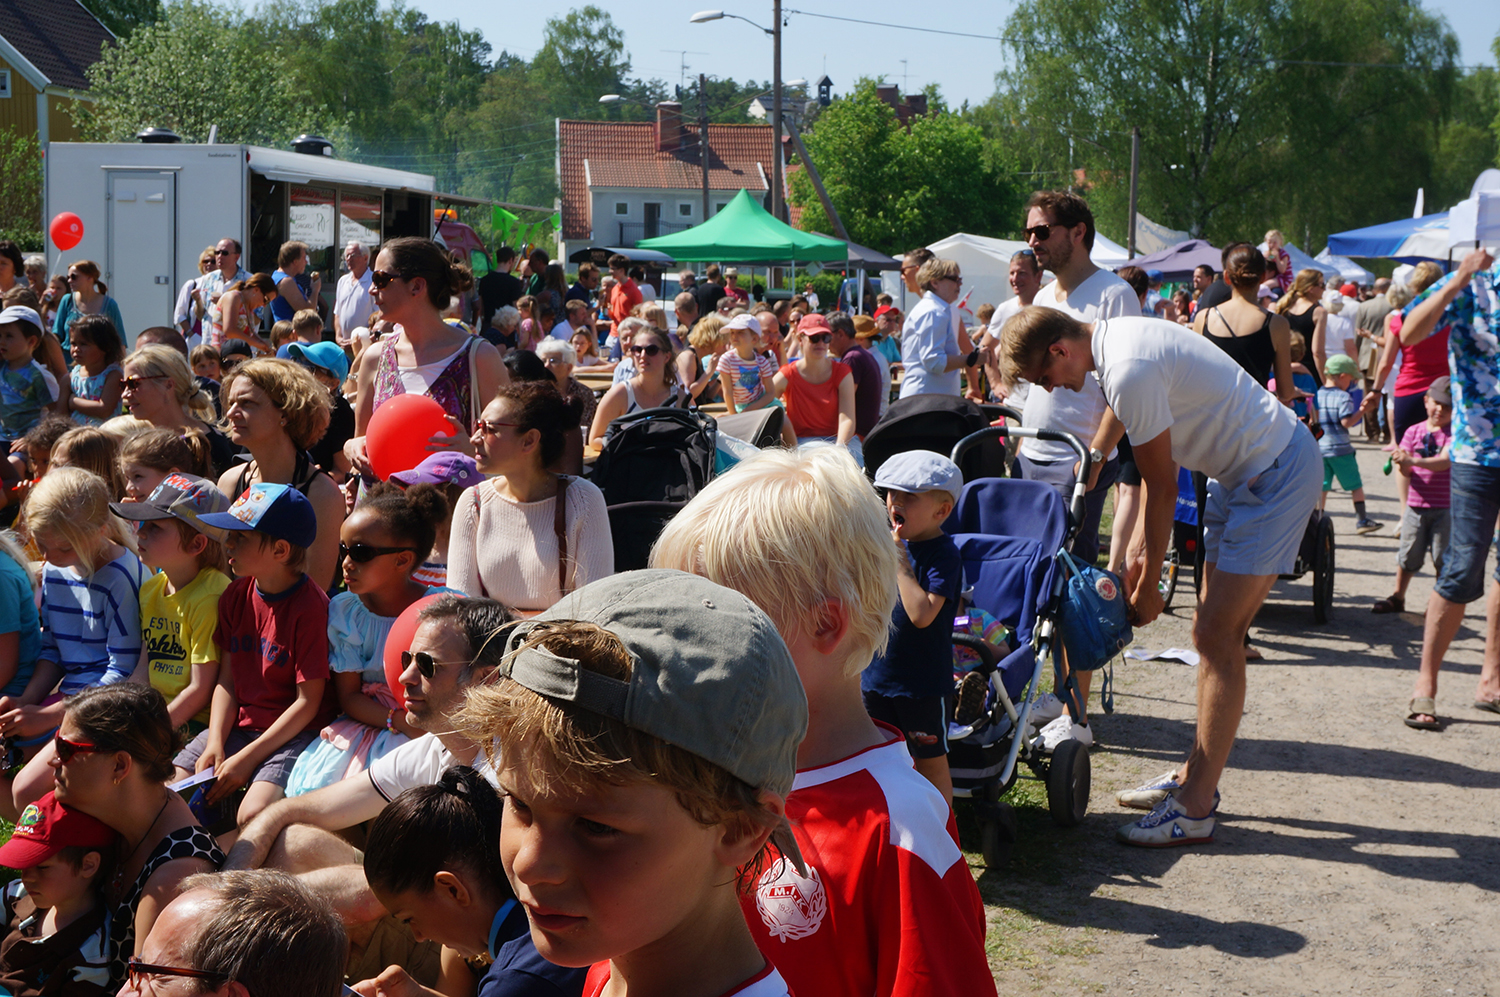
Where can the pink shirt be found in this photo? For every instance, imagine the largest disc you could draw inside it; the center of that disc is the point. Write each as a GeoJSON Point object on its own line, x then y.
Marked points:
{"type": "Point", "coordinates": [1429, 488]}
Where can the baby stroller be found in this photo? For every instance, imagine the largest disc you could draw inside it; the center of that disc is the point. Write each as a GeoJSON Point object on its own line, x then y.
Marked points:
{"type": "Point", "coordinates": [1010, 534]}
{"type": "Point", "coordinates": [935, 422]}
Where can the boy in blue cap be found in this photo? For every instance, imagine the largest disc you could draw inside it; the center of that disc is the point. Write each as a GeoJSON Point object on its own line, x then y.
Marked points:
{"type": "Point", "coordinates": [273, 694]}
{"type": "Point", "coordinates": [909, 685]}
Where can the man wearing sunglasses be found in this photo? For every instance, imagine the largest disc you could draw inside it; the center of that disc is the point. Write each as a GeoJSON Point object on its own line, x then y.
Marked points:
{"type": "Point", "coordinates": [227, 270]}
{"type": "Point", "coordinates": [245, 934]}
{"type": "Point", "coordinates": [455, 646]}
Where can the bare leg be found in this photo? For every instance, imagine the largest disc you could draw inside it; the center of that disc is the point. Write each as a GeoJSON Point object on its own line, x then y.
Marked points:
{"type": "Point", "coordinates": [1230, 601]}
{"type": "Point", "coordinates": [259, 796]}
{"type": "Point", "coordinates": [1489, 672]}
{"type": "Point", "coordinates": [346, 889]}
{"type": "Point", "coordinates": [1127, 508]}
{"type": "Point", "coordinates": [1443, 619]}
{"type": "Point", "coordinates": [1403, 581]}
{"type": "Point", "coordinates": [1322, 500]}
{"type": "Point", "coordinates": [936, 772]}
{"type": "Point", "coordinates": [31, 783]}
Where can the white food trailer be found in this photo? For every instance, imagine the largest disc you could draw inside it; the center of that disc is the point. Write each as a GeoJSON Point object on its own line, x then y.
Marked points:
{"type": "Point", "coordinates": [150, 208]}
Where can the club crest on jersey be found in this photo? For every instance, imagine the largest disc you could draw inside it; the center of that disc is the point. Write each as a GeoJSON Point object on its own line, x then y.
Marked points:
{"type": "Point", "coordinates": [793, 906]}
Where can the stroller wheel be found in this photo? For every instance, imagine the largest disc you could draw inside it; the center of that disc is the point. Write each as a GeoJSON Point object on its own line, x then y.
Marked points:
{"type": "Point", "coordinates": [1323, 570]}
{"type": "Point", "coordinates": [1068, 782]}
{"type": "Point", "coordinates": [1168, 583]}
{"type": "Point", "coordinates": [998, 836]}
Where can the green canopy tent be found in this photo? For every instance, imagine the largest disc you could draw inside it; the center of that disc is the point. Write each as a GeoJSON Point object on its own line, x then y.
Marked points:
{"type": "Point", "coordinates": [744, 232]}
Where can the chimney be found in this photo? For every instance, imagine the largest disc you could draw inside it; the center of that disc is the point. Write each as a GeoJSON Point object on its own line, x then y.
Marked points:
{"type": "Point", "coordinates": [669, 136]}
{"type": "Point", "coordinates": [890, 94]}
{"type": "Point", "coordinates": [917, 102]}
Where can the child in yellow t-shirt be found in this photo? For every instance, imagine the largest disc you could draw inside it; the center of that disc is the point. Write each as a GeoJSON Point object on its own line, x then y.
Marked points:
{"type": "Point", "coordinates": [180, 603]}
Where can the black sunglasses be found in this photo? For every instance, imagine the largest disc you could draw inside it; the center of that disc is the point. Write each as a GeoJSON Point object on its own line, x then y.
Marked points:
{"type": "Point", "coordinates": [137, 969]}
{"type": "Point", "coordinates": [134, 383]}
{"type": "Point", "coordinates": [1040, 231]}
{"type": "Point", "coordinates": [364, 553]}
{"type": "Point", "coordinates": [426, 663]}
{"type": "Point", "coordinates": [381, 278]}
{"type": "Point", "coordinates": [226, 252]}
{"type": "Point", "coordinates": [820, 337]}
{"type": "Point", "coordinates": [650, 350]}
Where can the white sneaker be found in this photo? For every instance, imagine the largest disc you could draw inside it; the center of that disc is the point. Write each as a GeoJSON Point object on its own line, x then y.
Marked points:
{"type": "Point", "coordinates": [1060, 730]}
{"type": "Point", "coordinates": [1166, 826]}
{"type": "Point", "coordinates": [1148, 795]}
{"type": "Point", "coordinates": [1046, 708]}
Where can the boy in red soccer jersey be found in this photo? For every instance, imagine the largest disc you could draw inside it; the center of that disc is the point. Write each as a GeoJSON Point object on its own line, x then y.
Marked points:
{"type": "Point", "coordinates": [888, 905]}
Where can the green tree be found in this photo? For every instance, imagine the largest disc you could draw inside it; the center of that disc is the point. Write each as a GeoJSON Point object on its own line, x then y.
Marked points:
{"type": "Point", "coordinates": [198, 67]}
{"type": "Point", "coordinates": [21, 195]}
{"type": "Point", "coordinates": [896, 188]}
{"type": "Point", "coordinates": [1238, 131]}
{"type": "Point", "coordinates": [122, 17]}
{"type": "Point", "coordinates": [582, 58]}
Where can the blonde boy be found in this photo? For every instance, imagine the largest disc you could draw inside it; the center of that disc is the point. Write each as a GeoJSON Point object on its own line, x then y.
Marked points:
{"type": "Point", "coordinates": [645, 733]}
{"type": "Point", "coordinates": [307, 326]}
{"type": "Point", "coordinates": [888, 905]}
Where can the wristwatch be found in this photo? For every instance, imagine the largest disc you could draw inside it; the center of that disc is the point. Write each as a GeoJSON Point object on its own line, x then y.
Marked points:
{"type": "Point", "coordinates": [1096, 456]}
{"type": "Point", "coordinates": [972, 358]}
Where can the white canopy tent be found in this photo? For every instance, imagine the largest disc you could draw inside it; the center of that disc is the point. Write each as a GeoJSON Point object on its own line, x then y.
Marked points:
{"type": "Point", "coordinates": [1347, 268]}
{"type": "Point", "coordinates": [1108, 254]}
{"type": "Point", "coordinates": [986, 270]}
{"type": "Point", "coordinates": [1476, 219]}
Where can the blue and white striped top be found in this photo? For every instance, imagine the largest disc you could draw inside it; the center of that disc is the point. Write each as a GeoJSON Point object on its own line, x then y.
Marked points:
{"type": "Point", "coordinates": [92, 626]}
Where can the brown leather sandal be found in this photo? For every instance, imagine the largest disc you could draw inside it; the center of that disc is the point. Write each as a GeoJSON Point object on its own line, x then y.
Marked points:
{"type": "Point", "coordinates": [1390, 604]}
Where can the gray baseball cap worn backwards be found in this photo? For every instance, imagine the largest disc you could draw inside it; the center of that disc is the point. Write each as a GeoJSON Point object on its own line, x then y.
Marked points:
{"type": "Point", "coordinates": [710, 674]}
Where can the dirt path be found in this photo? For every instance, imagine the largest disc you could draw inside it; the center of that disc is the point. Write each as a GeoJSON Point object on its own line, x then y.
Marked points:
{"type": "Point", "coordinates": [1353, 855]}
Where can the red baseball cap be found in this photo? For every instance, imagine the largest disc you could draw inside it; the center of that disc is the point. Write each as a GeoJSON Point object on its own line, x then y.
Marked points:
{"type": "Point", "coordinates": [1348, 290]}
{"type": "Point", "coordinates": [47, 827]}
{"type": "Point", "coordinates": [813, 324]}
{"type": "Point", "coordinates": [886, 308]}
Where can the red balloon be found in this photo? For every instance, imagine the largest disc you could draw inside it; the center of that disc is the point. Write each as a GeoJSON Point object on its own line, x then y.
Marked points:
{"type": "Point", "coordinates": [66, 230]}
{"type": "Point", "coordinates": [398, 640]}
{"type": "Point", "coordinates": [399, 429]}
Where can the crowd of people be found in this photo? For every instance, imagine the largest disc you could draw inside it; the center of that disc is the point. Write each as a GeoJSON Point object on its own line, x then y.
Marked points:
{"type": "Point", "coordinates": [725, 773]}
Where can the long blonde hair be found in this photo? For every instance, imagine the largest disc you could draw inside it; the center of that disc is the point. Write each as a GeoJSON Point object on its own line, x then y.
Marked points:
{"type": "Point", "coordinates": [1306, 279]}
{"type": "Point", "coordinates": [73, 504]}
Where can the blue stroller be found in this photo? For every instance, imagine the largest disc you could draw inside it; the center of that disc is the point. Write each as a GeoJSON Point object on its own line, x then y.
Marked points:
{"type": "Point", "coordinates": [1009, 534]}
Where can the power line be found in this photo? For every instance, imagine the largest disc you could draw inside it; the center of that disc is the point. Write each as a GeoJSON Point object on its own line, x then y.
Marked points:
{"type": "Point", "coordinates": [1181, 55]}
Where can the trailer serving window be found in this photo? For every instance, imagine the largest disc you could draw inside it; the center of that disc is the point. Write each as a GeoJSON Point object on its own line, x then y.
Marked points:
{"type": "Point", "coordinates": [311, 219]}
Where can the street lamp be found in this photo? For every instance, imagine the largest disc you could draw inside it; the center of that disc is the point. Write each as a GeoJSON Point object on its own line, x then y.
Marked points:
{"type": "Point", "coordinates": [704, 16]}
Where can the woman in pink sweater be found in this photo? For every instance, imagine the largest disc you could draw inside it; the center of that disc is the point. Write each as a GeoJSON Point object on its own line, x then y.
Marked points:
{"type": "Point", "coordinates": [510, 540]}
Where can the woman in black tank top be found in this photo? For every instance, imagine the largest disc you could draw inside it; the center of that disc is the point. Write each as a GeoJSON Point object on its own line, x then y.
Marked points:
{"type": "Point", "coordinates": [1302, 307]}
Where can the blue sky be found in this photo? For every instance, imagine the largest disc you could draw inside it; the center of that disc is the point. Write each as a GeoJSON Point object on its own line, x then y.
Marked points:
{"type": "Point", "coordinates": [657, 32]}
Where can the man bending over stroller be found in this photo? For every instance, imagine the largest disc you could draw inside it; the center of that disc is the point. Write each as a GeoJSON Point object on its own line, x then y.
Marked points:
{"type": "Point", "coordinates": [1184, 401]}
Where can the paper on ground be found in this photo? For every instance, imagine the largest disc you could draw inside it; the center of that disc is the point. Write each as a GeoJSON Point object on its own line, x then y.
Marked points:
{"type": "Point", "coordinates": [1181, 654]}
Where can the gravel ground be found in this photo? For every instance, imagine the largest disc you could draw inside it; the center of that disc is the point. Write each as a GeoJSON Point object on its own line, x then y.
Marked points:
{"type": "Point", "coordinates": [1353, 855]}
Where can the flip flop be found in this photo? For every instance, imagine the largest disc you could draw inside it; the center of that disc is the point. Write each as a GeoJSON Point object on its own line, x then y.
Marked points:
{"type": "Point", "coordinates": [1424, 706]}
{"type": "Point", "coordinates": [1493, 705]}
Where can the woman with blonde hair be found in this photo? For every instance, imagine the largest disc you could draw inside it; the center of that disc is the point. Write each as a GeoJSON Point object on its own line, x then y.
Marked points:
{"type": "Point", "coordinates": [276, 409]}
{"type": "Point", "coordinates": [1416, 366]}
{"type": "Point", "coordinates": [159, 388]}
{"type": "Point", "coordinates": [87, 296]}
{"type": "Point", "coordinates": [1302, 307]}
{"type": "Point", "coordinates": [705, 340]}
{"type": "Point", "coordinates": [237, 309]}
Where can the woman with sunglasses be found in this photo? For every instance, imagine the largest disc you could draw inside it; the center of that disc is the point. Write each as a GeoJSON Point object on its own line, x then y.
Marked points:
{"type": "Point", "coordinates": [238, 310]}
{"type": "Point", "coordinates": [653, 385]}
{"type": "Point", "coordinates": [528, 536]}
{"type": "Point", "coordinates": [114, 756]}
{"type": "Point", "coordinates": [412, 283]}
{"type": "Point", "coordinates": [276, 409]}
{"type": "Point", "coordinates": [86, 296]}
{"type": "Point", "coordinates": [930, 348]}
{"type": "Point", "coordinates": [158, 387]}
{"type": "Point", "coordinates": [818, 391]}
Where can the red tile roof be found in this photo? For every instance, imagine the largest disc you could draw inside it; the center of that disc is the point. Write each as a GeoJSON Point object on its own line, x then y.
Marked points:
{"type": "Point", "coordinates": [623, 154]}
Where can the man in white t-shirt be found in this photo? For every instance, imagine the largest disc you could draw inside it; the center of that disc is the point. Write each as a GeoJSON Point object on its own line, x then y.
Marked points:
{"type": "Point", "coordinates": [1184, 401]}
{"type": "Point", "coordinates": [352, 303]}
{"type": "Point", "coordinates": [1025, 280]}
{"type": "Point", "coordinates": [1060, 231]}
{"type": "Point", "coordinates": [451, 649]}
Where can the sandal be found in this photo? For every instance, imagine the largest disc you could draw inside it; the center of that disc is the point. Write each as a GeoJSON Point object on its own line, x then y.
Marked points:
{"type": "Point", "coordinates": [1422, 706]}
{"type": "Point", "coordinates": [1390, 604]}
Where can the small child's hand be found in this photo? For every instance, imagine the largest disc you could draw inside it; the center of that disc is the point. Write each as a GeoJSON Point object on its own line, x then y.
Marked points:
{"type": "Point", "coordinates": [394, 982]}
{"type": "Point", "coordinates": [211, 757]}
{"type": "Point", "coordinates": [229, 775]}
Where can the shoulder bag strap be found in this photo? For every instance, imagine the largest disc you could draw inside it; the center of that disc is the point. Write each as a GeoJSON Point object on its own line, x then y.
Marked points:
{"type": "Point", "coordinates": [560, 525]}
{"type": "Point", "coordinates": [474, 404]}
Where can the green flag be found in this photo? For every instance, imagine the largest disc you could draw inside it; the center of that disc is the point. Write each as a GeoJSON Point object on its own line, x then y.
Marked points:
{"type": "Point", "coordinates": [504, 224]}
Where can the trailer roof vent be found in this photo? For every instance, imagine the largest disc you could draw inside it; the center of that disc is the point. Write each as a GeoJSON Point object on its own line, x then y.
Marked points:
{"type": "Point", "coordinates": [158, 136]}
{"type": "Point", "coordinates": [312, 145]}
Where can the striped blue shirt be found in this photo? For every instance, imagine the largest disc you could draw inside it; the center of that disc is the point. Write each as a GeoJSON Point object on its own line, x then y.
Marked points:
{"type": "Point", "coordinates": [92, 626]}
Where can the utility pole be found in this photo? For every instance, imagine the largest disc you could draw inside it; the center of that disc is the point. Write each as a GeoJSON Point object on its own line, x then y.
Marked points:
{"type": "Point", "coordinates": [703, 136]}
{"type": "Point", "coordinates": [1135, 176]}
{"type": "Point", "coordinates": [817, 182]}
{"type": "Point", "coordinates": [776, 209]}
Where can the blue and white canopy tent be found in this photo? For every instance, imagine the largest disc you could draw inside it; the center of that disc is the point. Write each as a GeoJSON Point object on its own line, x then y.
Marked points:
{"type": "Point", "coordinates": [1408, 240]}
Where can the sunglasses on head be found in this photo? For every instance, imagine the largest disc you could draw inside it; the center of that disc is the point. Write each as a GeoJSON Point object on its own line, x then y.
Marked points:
{"type": "Point", "coordinates": [426, 663]}
{"type": "Point", "coordinates": [381, 278]}
{"type": "Point", "coordinates": [67, 749]}
{"type": "Point", "coordinates": [820, 337]}
{"type": "Point", "coordinates": [364, 553]}
{"type": "Point", "coordinates": [1041, 232]}
{"type": "Point", "coordinates": [649, 350]}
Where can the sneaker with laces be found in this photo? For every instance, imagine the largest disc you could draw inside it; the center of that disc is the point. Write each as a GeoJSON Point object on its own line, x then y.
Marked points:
{"type": "Point", "coordinates": [971, 693]}
{"type": "Point", "coordinates": [1046, 708]}
{"type": "Point", "coordinates": [1149, 794]}
{"type": "Point", "coordinates": [1167, 826]}
{"type": "Point", "coordinates": [1060, 730]}
{"type": "Point", "coordinates": [1366, 525]}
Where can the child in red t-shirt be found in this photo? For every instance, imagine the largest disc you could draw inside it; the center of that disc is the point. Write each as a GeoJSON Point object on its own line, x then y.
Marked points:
{"type": "Point", "coordinates": [273, 694]}
{"type": "Point", "coordinates": [888, 905]}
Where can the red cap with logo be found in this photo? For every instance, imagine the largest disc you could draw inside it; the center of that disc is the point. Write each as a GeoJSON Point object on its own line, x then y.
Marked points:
{"type": "Point", "coordinates": [47, 827]}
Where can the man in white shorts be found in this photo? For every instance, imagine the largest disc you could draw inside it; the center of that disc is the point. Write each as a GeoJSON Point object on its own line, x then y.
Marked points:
{"type": "Point", "coordinates": [1060, 231]}
{"type": "Point", "coordinates": [1184, 401]}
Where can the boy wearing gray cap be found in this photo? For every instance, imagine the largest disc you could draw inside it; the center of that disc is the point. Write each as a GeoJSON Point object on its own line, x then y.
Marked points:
{"type": "Point", "coordinates": [910, 684]}
{"type": "Point", "coordinates": [644, 731]}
